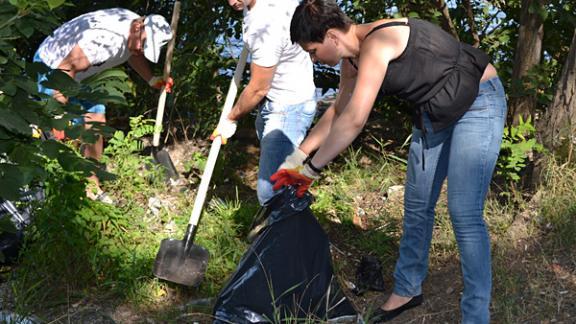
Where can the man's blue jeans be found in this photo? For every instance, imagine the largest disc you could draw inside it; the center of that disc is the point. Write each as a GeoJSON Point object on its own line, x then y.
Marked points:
{"type": "Point", "coordinates": [280, 128]}
{"type": "Point", "coordinates": [466, 154]}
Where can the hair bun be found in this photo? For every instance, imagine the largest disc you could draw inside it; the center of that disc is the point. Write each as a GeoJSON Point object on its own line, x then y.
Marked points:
{"type": "Point", "coordinates": [311, 6]}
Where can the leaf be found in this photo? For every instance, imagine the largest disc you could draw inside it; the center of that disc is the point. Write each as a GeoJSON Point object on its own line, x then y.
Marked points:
{"type": "Point", "coordinates": [8, 89]}
{"type": "Point", "coordinates": [55, 3]}
{"type": "Point", "coordinates": [52, 149]}
{"type": "Point", "coordinates": [13, 178]}
{"type": "Point", "coordinates": [14, 123]}
{"type": "Point", "coordinates": [63, 82]}
{"type": "Point", "coordinates": [15, 3]}
{"type": "Point", "coordinates": [4, 135]}
{"type": "Point", "coordinates": [107, 74]}
{"type": "Point", "coordinates": [25, 28]}
{"type": "Point", "coordinates": [6, 226]}
{"type": "Point", "coordinates": [35, 68]}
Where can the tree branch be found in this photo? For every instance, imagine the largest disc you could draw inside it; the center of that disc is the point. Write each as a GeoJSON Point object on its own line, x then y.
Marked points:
{"type": "Point", "coordinates": [448, 25]}
{"type": "Point", "coordinates": [470, 18]}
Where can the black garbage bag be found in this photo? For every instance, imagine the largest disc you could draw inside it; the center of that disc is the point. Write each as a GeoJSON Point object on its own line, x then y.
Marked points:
{"type": "Point", "coordinates": [286, 274]}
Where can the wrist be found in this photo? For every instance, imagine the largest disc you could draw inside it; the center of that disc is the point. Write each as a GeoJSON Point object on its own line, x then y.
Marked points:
{"type": "Point", "coordinates": [308, 172]}
{"type": "Point", "coordinates": [314, 168]}
{"type": "Point", "coordinates": [232, 115]}
{"type": "Point", "coordinates": [153, 81]}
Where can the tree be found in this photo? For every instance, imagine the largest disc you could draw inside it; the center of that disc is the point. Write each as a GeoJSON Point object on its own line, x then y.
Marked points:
{"type": "Point", "coordinates": [528, 55]}
{"type": "Point", "coordinates": [559, 131]}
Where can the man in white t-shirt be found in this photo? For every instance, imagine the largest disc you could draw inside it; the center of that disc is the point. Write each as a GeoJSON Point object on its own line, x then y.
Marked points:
{"type": "Point", "coordinates": [94, 42]}
{"type": "Point", "coordinates": [281, 86]}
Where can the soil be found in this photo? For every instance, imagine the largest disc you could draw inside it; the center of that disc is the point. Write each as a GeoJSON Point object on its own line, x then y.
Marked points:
{"type": "Point", "coordinates": [442, 287]}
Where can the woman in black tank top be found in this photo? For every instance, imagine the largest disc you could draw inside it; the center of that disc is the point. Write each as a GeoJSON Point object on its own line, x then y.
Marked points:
{"type": "Point", "coordinates": [459, 112]}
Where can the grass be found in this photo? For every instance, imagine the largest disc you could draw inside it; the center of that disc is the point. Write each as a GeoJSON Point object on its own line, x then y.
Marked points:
{"type": "Point", "coordinates": [82, 250]}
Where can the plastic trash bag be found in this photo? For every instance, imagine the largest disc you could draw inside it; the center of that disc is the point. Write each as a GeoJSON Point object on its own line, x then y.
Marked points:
{"type": "Point", "coordinates": [286, 274]}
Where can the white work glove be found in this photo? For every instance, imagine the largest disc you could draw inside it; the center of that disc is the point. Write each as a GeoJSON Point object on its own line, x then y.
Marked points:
{"type": "Point", "coordinates": [294, 160]}
{"type": "Point", "coordinates": [225, 129]}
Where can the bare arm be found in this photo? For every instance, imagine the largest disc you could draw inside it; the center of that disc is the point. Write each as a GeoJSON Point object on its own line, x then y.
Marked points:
{"type": "Point", "coordinates": [140, 65]}
{"type": "Point", "coordinates": [255, 91]}
{"type": "Point", "coordinates": [371, 71]}
{"type": "Point", "coordinates": [76, 61]}
{"type": "Point", "coordinates": [320, 131]}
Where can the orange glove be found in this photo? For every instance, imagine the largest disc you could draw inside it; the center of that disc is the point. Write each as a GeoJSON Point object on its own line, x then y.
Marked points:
{"type": "Point", "coordinates": [158, 82]}
{"type": "Point", "coordinates": [300, 178]}
{"type": "Point", "coordinates": [59, 135]}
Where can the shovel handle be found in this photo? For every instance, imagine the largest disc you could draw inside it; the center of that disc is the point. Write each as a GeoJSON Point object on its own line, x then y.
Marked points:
{"type": "Point", "coordinates": [167, 68]}
{"type": "Point", "coordinates": [217, 142]}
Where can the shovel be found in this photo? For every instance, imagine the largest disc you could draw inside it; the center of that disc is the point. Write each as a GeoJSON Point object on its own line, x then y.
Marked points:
{"type": "Point", "coordinates": [161, 156]}
{"type": "Point", "coordinates": [182, 261]}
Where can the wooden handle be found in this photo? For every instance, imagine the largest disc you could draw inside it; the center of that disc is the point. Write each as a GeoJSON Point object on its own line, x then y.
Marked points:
{"type": "Point", "coordinates": [215, 148]}
{"type": "Point", "coordinates": [167, 68]}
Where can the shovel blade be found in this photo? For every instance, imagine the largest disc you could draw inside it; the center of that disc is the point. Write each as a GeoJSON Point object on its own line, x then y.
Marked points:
{"type": "Point", "coordinates": [163, 158]}
{"type": "Point", "coordinates": [173, 263]}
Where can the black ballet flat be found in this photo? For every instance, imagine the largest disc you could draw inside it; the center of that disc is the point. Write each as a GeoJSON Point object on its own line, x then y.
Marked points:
{"type": "Point", "coordinates": [381, 315]}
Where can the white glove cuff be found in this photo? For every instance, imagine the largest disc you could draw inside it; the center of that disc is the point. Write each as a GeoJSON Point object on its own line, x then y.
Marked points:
{"type": "Point", "coordinates": [307, 171]}
{"type": "Point", "coordinates": [153, 80]}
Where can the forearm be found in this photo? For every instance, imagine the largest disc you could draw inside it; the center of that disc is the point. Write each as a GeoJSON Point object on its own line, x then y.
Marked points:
{"type": "Point", "coordinates": [59, 96]}
{"type": "Point", "coordinates": [342, 133]}
{"type": "Point", "coordinates": [247, 101]}
{"type": "Point", "coordinates": [319, 132]}
{"type": "Point", "coordinates": [140, 65]}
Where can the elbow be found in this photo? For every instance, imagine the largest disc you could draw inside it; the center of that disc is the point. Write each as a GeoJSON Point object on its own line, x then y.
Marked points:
{"type": "Point", "coordinates": [357, 123]}
{"type": "Point", "coordinates": [262, 91]}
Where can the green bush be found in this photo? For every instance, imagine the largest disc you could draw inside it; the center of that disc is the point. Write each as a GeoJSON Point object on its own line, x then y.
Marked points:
{"type": "Point", "coordinates": [518, 143]}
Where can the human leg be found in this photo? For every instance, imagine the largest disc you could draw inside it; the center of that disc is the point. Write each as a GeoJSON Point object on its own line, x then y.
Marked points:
{"type": "Point", "coordinates": [93, 151]}
{"type": "Point", "coordinates": [280, 128]}
{"type": "Point", "coordinates": [423, 185]}
{"type": "Point", "coordinates": [473, 155]}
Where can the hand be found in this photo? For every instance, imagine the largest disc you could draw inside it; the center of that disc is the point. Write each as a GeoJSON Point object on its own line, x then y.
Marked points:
{"type": "Point", "coordinates": [225, 129]}
{"type": "Point", "coordinates": [157, 82]}
{"type": "Point", "coordinates": [294, 160]}
{"type": "Point", "coordinates": [300, 178]}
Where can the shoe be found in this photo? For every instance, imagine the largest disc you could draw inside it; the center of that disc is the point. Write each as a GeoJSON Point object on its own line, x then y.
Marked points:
{"type": "Point", "coordinates": [105, 198]}
{"type": "Point", "coordinates": [101, 197]}
{"type": "Point", "coordinates": [381, 315]}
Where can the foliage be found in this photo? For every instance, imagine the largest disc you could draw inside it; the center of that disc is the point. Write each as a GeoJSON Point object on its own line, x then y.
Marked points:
{"type": "Point", "coordinates": [78, 245]}
{"type": "Point", "coordinates": [135, 172]}
{"type": "Point", "coordinates": [538, 83]}
{"type": "Point", "coordinates": [23, 158]}
{"type": "Point", "coordinates": [558, 208]}
{"type": "Point", "coordinates": [518, 143]}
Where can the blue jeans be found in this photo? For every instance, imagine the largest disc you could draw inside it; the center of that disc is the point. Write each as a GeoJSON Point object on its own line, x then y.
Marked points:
{"type": "Point", "coordinates": [465, 153]}
{"type": "Point", "coordinates": [280, 128]}
{"type": "Point", "coordinates": [88, 106]}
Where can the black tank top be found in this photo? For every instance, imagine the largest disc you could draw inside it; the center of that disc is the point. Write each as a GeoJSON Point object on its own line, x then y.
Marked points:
{"type": "Point", "coordinates": [437, 73]}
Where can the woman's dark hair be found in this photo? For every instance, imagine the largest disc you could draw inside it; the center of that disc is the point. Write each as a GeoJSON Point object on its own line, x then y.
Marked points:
{"type": "Point", "coordinates": [312, 18]}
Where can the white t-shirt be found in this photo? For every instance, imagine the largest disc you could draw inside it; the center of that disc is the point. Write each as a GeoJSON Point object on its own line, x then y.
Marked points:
{"type": "Point", "coordinates": [102, 35]}
{"type": "Point", "coordinates": [266, 33]}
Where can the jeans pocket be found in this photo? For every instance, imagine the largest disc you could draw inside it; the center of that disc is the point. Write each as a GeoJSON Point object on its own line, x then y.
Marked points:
{"type": "Point", "coordinates": [270, 107]}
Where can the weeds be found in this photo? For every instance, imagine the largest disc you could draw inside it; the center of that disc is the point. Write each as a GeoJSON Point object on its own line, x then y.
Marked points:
{"type": "Point", "coordinates": [558, 207]}
{"type": "Point", "coordinates": [77, 247]}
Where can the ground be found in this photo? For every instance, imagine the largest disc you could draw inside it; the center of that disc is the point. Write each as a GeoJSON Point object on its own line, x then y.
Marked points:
{"type": "Point", "coordinates": [542, 275]}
